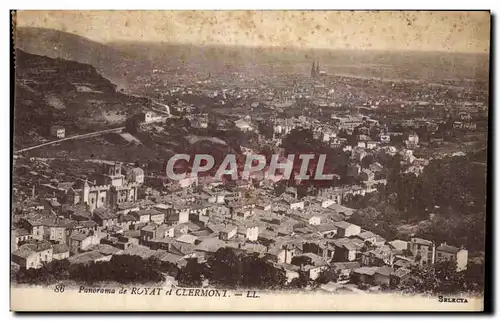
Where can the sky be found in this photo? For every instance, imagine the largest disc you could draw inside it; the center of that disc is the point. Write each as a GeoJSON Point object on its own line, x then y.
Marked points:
{"type": "Point", "coordinates": [453, 31]}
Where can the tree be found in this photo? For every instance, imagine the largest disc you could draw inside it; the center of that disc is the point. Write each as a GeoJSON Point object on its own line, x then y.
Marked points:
{"type": "Point", "coordinates": [266, 130]}
{"type": "Point", "coordinates": [121, 268]}
{"type": "Point", "coordinates": [367, 161]}
{"type": "Point", "coordinates": [279, 188]}
{"type": "Point", "coordinates": [231, 269]}
{"type": "Point", "coordinates": [132, 124]}
{"type": "Point", "coordinates": [225, 267]}
{"type": "Point", "coordinates": [300, 282]}
{"type": "Point", "coordinates": [440, 278]}
{"type": "Point", "coordinates": [52, 272]}
{"type": "Point", "coordinates": [453, 188]}
{"type": "Point", "coordinates": [328, 275]}
{"type": "Point", "coordinates": [192, 274]}
{"type": "Point", "coordinates": [300, 260]}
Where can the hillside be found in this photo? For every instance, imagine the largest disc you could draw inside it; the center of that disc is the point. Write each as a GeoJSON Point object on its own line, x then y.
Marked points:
{"type": "Point", "coordinates": [57, 91]}
{"type": "Point", "coordinates": [109, 61]}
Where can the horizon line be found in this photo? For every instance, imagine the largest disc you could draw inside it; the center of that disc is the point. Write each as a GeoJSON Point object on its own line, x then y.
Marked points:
{"type": "Point", "coordinates": [138, 41]}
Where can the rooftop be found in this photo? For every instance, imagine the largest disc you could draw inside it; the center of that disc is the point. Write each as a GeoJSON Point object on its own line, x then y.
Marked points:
{"type": "Point", "coordinates": [420, 241]}
{"type": "Point", "coordinates": [448, 248]}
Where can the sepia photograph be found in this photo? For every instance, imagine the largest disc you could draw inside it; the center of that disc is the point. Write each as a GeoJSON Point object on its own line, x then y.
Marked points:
{"type": "Point", "coordinates": [264, 160]}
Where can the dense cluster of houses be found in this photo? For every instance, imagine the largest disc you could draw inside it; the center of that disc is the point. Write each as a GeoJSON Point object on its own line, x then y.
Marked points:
{"type": "Point", "coordinates": [90, 221]}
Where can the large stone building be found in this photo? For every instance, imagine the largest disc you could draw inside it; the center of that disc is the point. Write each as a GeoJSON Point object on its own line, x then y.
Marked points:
{"type": "Point", "coordinates": [109, 189]}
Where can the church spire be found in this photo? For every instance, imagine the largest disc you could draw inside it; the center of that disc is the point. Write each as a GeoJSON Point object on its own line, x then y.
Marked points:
{"type": "Point", "coordinates": [313, 70]}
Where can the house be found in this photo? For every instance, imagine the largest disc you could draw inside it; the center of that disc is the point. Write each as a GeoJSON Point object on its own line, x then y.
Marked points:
{"type": "Point", "coordinates": [155, 231]}
{"type": "Point", "coordinates": [34, 226]}
{"type": "Point", "coordinates": [291, 271]}
{"type": "Point", "coordinates": [127, 221]}
{"type": "Point", "coordinates": [80, 242]}
{"type": "Point", "coordinates": [345, 229]}
{"type": "Point", "coordinates": [187, 238]}
{"type": "Point", "coordinates": [120, 242]}
{"type": "Point", "coordinates": [384, 138]}
{"type": "Point", "coordinates": [398, 276]}
{"type": "Point", "coordinates": [423, 251]}
{"type": "Point", "coordinates": [365, 274]}
{"type": "Point", "coordinates": [104, 217]}
{"type": "Point", "coordinates": [370, 237]}
{"type": "Point", "coordinates": [178, 214]}
{"type": "Point", "coordinates": [319, 247]}
{"type": "Point", "coordinates": [412, 141]}
{"type": "Point", "coordinates": [142, 216]}
{"type": "Point", "coordinates": [85, 227]}
{"type": "Point", "coordinates": [150, 117]}
{"type": "Point", "coordinates": [382, 275]}
{"type": "Point", "coordinates": [135, 175]}
{"type": "Point", "coordinates": [279, 254]}
{"type": "Point", "coordinates": [181, 229]}
{"type": "Point", "coordinates": [251, 232]}
{"type": "Point", "coordinates": [340, 209]}
{"type": "Point", "coordinates": [344, 269]}
{"type": "Point", "coordinates": [243, 125]}
{"type": "Point", "coordinates": [105, 249]}
{"type": "Point", "coordinates": [402, 262]}
{"type": "Point", "coordinates": [367, 175]}
{"type": "Point", "coordinates": [87, 258]}
{"type": "Point", "coordinates": [263, 205]}
{"type": "Point", "coordinates": [327, 230]}
{"type": "Point", "coordinates": [399, 245]}
{"type": "Point", "coordinates": [157, 217]}
{"type": "Point", "coordinates": [316, 266]}
{"type": "Point", "coordinates": [57, 131]}
{"type": "Point", "coordinates": [445, 252]}
{"type": "Point", "coordinates": [296, 205]}
{"type": "Point", "coordinates": [377, 257]}
{"type": "Point", "coordinates": [210, 245]}
{"type": "Point", "coordinates": [345, 250]}
{"type": "Point", "coordinates": [314, 219]}
{"type": "Point", "coordinates": [19, 235]}
{"type": "Point", "coordinates": [243, 213]}
{"type": "Point", "coordinates": [60, 252]}
{"type": "Point", "coordinates": [182, 248]}
{"type": "Point", "coordinates": [33, 255]}
{"type": "Point", "coordinates": [228, 232]}
{"type": "Point", "coordinates": [353, 170]}
{"type": "Point", "coordinates": [55, 230]}
{"type": "Point", "coordinates": [361, 144]}
{"type": "Point", "coordinates": [334, 199]}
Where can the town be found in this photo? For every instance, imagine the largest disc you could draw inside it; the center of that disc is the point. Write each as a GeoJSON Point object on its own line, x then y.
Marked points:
{"type": "Point", "coordinates": [299, 233]}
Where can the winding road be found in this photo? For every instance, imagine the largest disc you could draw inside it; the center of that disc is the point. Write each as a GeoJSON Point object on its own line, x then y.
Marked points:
{"type": "Point", "coordinates": [81, 136]}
